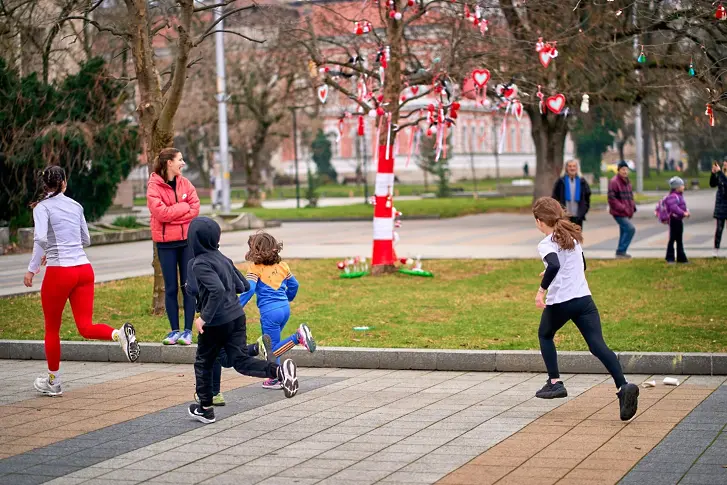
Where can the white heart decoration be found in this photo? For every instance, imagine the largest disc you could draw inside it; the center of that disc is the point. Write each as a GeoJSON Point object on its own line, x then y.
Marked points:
{"type": "Point", "coordinates": [555, 103]}
{"type": "Point", "coordinates": [545, 57]}
{"type": "Point", "coordinates": [481, 77]}
{"type": "Point", "coordinates": [323, 93]}
{"type": "Point", "coordinates": [517, 109]}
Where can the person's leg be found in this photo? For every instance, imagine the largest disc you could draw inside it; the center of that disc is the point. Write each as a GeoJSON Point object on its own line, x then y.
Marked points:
{"type": "Point", "coordinates": [630, 230]}
{"type": "Point", "coordinates": [82, 306]}
{"type": "Point", "coordinates": [270, 326]}
{"type": "Point", "coordinates": [280, 317]}
{"type": "Point", "coordinates": [168, 263]}
{"type": "Point", "coordinates": [209, 344]}
{"type": "Point", "coordinates": [216, 376]}
{"type": "Point", "coordinates": [679, 238]}
{"type": "Point", "coordinates": [585, 315]}
{"type": "Point", "coordinates": [670, 245]}
{"type": "Point", "coordinates": [185, 254]}
{"type": "Point", "coordinates": [718, 232]}
{"type": "Point", "coordinates": [54, 291]}
{"type": "Point", "coordinates": [621, 249]}
{"type": "Point", "coordinates": [240, 360]}
{"type": "Point", "coordinates": [552, 320]}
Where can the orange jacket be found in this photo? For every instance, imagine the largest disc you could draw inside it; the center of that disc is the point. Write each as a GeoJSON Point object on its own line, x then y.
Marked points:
{"type": "Point", "coordinates": [171, 212]}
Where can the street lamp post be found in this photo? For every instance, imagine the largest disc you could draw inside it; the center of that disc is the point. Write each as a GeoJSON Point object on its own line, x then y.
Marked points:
{"type": "Point", "coordinates": [222, 112]}
{"type": "Point", "coordinates": [295, 153]}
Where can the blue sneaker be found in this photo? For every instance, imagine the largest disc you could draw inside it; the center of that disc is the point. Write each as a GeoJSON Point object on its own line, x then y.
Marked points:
{"type": "Point", "coordinates": [172, 337]}
{"type": "Point", "coordinates": [186, 338]}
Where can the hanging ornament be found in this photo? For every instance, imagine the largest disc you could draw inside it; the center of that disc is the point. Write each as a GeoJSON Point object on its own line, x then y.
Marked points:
{"type": "Point", "coordinates": [480, 77]}
{"type": "Point", "coordinates": [691, 69]}
{"type": "Point", "coordinates": [555, 103]}
{"type": "Point", "coordinates": [541, 103]}
{"type": "Point", "coordinates": [546, 52]}
{"type": "Point", "coordinates": [323, 93]}
{"type": "Point", "coordinates": [721, 13]}
{"type": "Point", "coordinates": [361, 126]}
{"type": "Point", "coordinates": [710, 113]}
{"type": "Point", "coordinates": [642, 57]}
{"type": "Point", "coordinates": [312, 69]}
{"type": "Point", "coordinates": [517, 109]}
{"type": "Point", "coordinates": [584, 103]}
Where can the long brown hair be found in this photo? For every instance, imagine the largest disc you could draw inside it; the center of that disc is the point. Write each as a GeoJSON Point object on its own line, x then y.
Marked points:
{"type": "Point", "coordinates": [160, 162]}
{"type": "Point", "coordinates": [264, 249]}
{"type": "Point", "coordinates": [51, 179]}
{"type": "Point", "coordinates": [549, 211]}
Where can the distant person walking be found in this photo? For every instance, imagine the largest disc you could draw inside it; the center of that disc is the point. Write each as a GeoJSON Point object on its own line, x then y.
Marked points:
{"type": "Point", "coordinates": [677, 209]}
{"type": "Point", "coordinates": [59, 237]}
{"type": "Point", "coordinates": [622, 207]}
{"type": "Point", "coordinates": [526, 170]}
{"type": "Point", "coordinates": [173, 203]}
{"type": "Point", "coordinates": [573, 193]}
{"type": "Point", "coordinates": [719, 179]}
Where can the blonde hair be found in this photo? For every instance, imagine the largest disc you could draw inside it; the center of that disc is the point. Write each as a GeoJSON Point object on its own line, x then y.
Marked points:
{"type": "Point", "coordinates": [549, 211]}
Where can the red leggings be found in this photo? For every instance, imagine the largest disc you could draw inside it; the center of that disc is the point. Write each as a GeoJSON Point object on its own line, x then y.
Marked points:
{"type": "Point", "coordinates": [63, 283]}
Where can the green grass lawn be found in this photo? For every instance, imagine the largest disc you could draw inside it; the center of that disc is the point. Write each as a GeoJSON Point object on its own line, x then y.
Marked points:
{"type": "Point", "coordinates": [476, 304]}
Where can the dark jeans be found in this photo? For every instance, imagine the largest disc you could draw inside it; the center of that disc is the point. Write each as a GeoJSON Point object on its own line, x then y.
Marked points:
{"type": "Point", "coordinates": [224, 361]}
{"type": "Point", "coordinates": [174, 262]}
{"type": "Point", "coordinates": [232, 337]}
{"type": "Point", "coordinates": [626, 234]}
{"type": "Point", "coordinates": [676, 234]}
{"type": "Point", "coordinates": [718, 233]}
{"type": "Point", "coordinates": [584, 314]}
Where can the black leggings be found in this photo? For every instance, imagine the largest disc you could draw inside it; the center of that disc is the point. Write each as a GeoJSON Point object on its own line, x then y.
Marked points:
{"type": "Point", "coordinates": [174, 262]}
{"type": "Point", "coordinates": [718, 233]}
{"type": "Point", "coordinates": [676, 236]}
{"type": "Point", "coordinates": [584, 314]}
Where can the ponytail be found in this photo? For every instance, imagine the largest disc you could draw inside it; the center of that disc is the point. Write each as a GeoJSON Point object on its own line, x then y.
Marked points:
{"type": "Point", "coordinates": [160, 162]}
{"type": "Point", "coordinates": [566, 233]}
{"type": "Point", "coordinates": [52, 180]}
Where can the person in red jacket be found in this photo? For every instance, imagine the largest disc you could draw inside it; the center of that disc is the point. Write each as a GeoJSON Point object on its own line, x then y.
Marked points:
{"type": "Point", "coordinates": [173, 203]}
{"type": "Point", "coordinates": [622, 207]}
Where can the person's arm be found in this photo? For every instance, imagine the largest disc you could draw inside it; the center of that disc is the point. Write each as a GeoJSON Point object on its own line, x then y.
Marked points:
{"type": "Point", "coordinates": [586, 198]}
{"type": "Point", "coordinates": [207, 277]}
{"type": "Point", "coordinates": [616, 205]}
{"type": "Point", "coordinates": [556, 190]}
{"type": "Point", "coordinates": [292, 288]}
{"type": "Point", "coordinates": [551, 259]}
{"type": "Point", "coordinates": [41, 218]}
{"type": "Point", "coordinates": [163, 212]}
{"type": "Point", "coordinates": [241, 284]}
{"type": "Point", "coordinates": [85, 236]}
{"type": "Point", "coordinates": [193, 201]}
{"type": "Point", "coordinates": [247, 295]}
{"type": "Point", "coordinates": [584, 261]}
{"type": "Point", "coordinates": [672, 204]}
{"type": "Point", "coordinates": [713, 179]}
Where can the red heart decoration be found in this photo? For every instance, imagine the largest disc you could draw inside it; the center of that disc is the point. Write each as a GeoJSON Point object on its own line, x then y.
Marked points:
{"type": "Point", "coordinates": [323, 93]}
{"type": "Point", "coordinates": [510, 93]}
{"type": "Point", "coordinates": [414, 90]}
{"type": "Point", "coordinates": [481, 77]}
{"type": "Point", "coordinates": [545, 57]}
{"type": "Point", "coordinates": [517, 109]}
{"type": "Point", "coordinates": [555, 103]}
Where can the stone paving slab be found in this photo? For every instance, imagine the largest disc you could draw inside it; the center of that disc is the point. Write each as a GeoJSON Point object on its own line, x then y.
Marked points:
{"type": "Point", "coordinates": [356, 426]}
{"type": "Point", "coordinates": [671, 363]}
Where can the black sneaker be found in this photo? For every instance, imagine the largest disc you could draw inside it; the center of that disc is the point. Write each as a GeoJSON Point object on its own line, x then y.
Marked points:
{"type": "Point", "coordinates": [552, 391]}
{"type": "Point", "coordinates": [266, 349]}
{"type": "Point", "coordinates": [206, 416]}
{"type": "Point", "coordinates": [287, 375]}
{"type": "Point", "coordinates": [623, 256]}
{"type": "Point", "coordinates": [628, 399]}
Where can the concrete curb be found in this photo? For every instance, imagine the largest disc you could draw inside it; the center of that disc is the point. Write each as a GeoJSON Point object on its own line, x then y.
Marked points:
{"type": "Point", "coordinates": [668, 363]}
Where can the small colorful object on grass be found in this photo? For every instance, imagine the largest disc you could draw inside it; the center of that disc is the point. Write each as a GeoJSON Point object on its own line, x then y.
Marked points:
{"type": "Point", "coordinates": [353, 267]}
{"type": "Point", "coordinates": [416, 270]}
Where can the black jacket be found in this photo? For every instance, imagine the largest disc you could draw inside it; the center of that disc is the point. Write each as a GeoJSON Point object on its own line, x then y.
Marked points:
{"type": "Point", "coordinates": [212, 277]}
{"type": "Point", "coordinates": [719, 180]}
{"type": "Point", "coordinates": [583, 205]}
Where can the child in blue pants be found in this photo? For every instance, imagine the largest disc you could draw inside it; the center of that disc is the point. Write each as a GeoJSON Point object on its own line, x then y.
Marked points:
{"type": "Point", "coordinates": [275, 286]}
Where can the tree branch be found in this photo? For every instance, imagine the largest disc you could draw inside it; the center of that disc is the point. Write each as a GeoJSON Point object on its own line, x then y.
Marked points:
{"type": "Point", "coordinates": [223, 17]}
{"type": "Point", "coordinates": [98, 26]}
{"type": "Point", "coordinates": [173, 96]}
{"type": "Point", "coordinates": [230, 32]}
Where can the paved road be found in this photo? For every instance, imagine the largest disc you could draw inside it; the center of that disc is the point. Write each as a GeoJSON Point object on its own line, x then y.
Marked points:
{"type": "Point", "coordinates": [126, 423]}
{"type": "Point", "coordinates": [484, 236]}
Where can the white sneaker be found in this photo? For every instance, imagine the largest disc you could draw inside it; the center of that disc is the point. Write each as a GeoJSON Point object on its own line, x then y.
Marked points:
{"type": "Point", "coordinates": [715, 253]}
{"type": "Point", "coordinates": [43, 386]}
{"type": "Point", "coordinates": [127, 340]}
{"type": "Point", "coordinates": [288, 376]}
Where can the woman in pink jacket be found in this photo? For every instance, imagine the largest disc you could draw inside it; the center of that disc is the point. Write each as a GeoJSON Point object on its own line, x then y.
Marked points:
{"type": "Point", "coordinates": [173, 203]}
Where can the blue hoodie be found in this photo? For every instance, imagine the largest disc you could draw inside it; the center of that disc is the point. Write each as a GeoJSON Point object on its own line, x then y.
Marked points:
{"type": "Point", "coordinates": [274, 286]}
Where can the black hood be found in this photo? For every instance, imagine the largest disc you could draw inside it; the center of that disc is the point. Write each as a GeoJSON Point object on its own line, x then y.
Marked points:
{"type": "Point", "coordinates": [204, 235]}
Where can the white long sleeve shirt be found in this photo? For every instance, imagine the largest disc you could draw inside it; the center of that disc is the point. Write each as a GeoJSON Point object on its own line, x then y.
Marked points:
{"type": "Point", "coordinates": [60, 233]}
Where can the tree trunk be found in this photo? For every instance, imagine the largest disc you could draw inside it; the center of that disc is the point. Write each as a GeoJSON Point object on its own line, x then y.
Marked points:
{"type": "Point", "coordinates": [656, 150]}
{"type": "Point", "coordinates": [646, 132]}
{"type": "Point", "coordinates": [549, 132]}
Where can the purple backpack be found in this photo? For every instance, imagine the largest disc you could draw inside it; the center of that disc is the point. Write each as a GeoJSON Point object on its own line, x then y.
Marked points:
{"type": "Point", "coordinates": [662, 211]}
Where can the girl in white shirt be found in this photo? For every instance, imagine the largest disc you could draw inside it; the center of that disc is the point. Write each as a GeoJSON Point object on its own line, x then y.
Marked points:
{"type": "Point", "coordinates": [569, 298]}
{"type": "Point", "coordinates": [60, 235]}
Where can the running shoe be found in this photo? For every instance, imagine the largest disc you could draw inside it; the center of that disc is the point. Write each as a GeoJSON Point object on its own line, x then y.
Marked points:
{"type": "Point", "coordinates": [201, 414]}
{"type": "Point", "coordinates": [172, 337]}
{"type": "Point", "coordinates": [272, 384]}
{"type": "Point", "coordinates": [288, 375]}
{"type": "Point", "coordinates": [552, 391]}
{"type": "Point", "coordinates": [265, 345]}
{"type": "Point", "coordinates": [186, 338]}
{"type": "Point", "coordinates": [127, 340]}
{"type": "Point", "coordinates": [43, 385]}
{"type": "Point", "coordinates": [628, 400]}
{"type": "Point", "coordinates": [305, 338]}
{"type": "Point", "coordinates": [217, 399]}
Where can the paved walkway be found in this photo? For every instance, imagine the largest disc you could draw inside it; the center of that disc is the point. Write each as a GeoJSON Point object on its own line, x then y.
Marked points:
{"type": "Point", "coordinates": [484, 236]}
{"type": "Point", "coordinates": [123, 423]}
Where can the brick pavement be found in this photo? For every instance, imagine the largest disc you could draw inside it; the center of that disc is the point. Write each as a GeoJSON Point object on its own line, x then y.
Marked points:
{"type": "Point", "coordinates": [119, 423]}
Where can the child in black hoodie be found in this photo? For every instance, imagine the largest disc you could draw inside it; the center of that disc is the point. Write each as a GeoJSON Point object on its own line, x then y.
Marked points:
{"type": "Point", "coordinates": [222, 320]}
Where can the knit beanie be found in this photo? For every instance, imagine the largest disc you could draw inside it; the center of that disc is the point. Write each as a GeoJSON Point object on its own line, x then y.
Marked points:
{"type": "Point", "coordinates": [675, 182]}
{"type": "Point", "coordinates": [622, 164]}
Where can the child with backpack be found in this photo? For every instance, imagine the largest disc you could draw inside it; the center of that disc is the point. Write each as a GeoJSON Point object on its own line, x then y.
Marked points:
{"type": "Point", "coordinates": [672, 210]}
{"type": "Point", "coordinates": [222, 320]}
